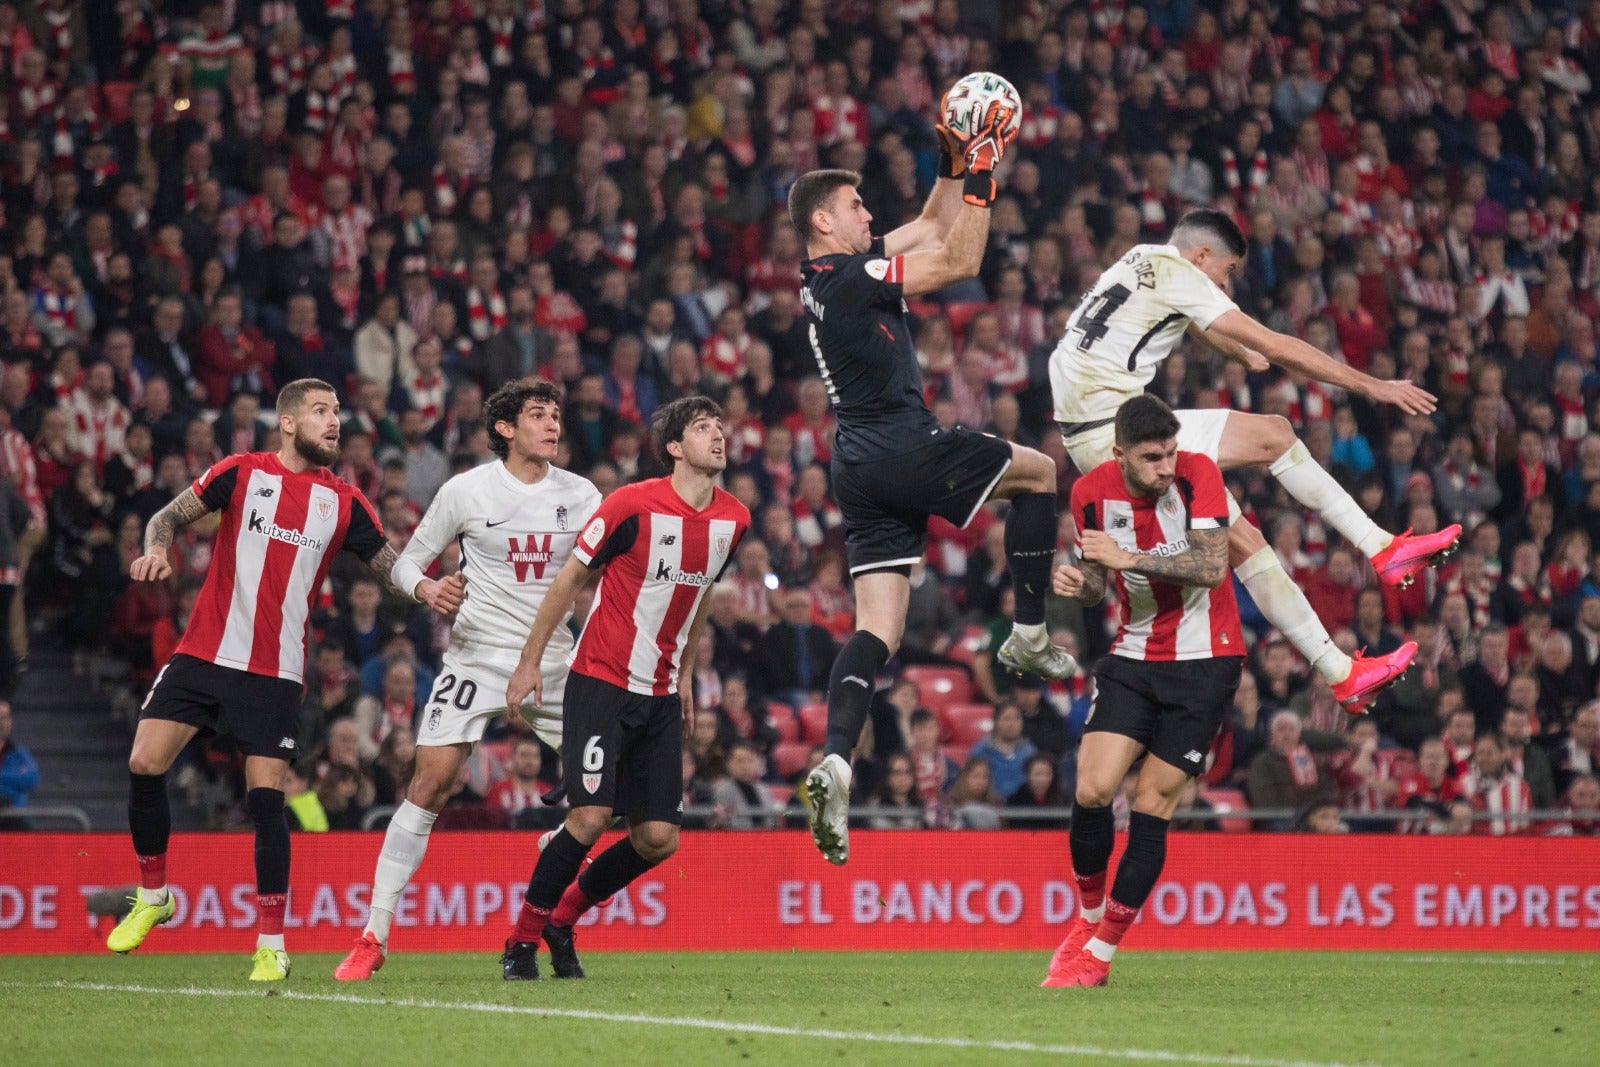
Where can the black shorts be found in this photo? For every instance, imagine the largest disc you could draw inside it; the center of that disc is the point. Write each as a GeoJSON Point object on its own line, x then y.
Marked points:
{"type": "Point", "coordinates": [261, 713]}
{"type": "Point", "coordinates": [622, 751]}
{"type": "Point", "coordinates": [1173, 709]}
{"type": "Point", "coordinates": [886, 503]}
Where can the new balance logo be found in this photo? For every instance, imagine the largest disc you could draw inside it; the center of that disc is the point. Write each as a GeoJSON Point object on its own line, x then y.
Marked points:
{"type": "Point", "coordinates": [264, 491]}
{"type": "Point", "coordinates": [668, 539]}
{"type": "Point", "coordinates": [1192, 756]}
{"type": "Point", "coordinates": [1119, 523]}
{"type": "Point", "coordinates": [287, 742]}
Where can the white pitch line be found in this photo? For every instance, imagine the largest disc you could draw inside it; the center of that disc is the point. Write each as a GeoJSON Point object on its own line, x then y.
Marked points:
{"type": "Point", "coordinates": [689, 1023]}
{"type": "Point", "coordinates": [1491, 961]}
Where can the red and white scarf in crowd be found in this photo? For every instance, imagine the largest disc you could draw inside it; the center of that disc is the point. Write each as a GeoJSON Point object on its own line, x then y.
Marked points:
{"type": "Point", "coordinates": [1313, 170]}
{"type": "Point", "coordinates": [1244, 185]}
{"type": "Point", "coordinates": [319, 110]}
{"type": "Point", "coordinates": [1437, 296]}
{"type": "Point", "coordinates": [1506, 797]}
{"type": "Point", "coordinates": [345, 70]}
{"type": "Point", "coordinates": [98, 432]}
{"type": "Point", "coordinates": [60, 308]}
{"type": "Point", "coordinates": [811, 525]}
{"type": "Point", "coordinates": [500, 34]}
{"type": "Point", "coordinates": [402, 72]}
{"type": "Point", "coordinates": [1302, 767]}
{"type": "Point", "coordinates": [427, 394]}
{"type": "Point", "coordinates": [347, 232]}
{"type": "Point", "coordinates": [287, 72]}
{"type": "Point", "coordinates": [59, 22]}
{"type": "Point", "coordinates": [622, 248]}
{"type": "Point", "coordinates": [1503, 58]}
{"type": "Point", "coordinates": [62, 145]}
{"type": "Point", "coordinates": [35, 100]}
{"type": "Point", "coordinates": [485, 316]}
{"type": "Point", "coordinates": [446, 190]}
{"type": "Point", "coordinates": [419, 310]}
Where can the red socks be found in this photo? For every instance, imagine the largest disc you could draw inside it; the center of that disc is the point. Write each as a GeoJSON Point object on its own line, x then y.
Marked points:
{"type": "Point", "coordinates": [573, 904]}
{"type": "Point", "coordinates": [1117, 919]}
{"type": "Point", "coordinates": [1091, 890]}
{"type": "Point", "coordinates": [530, 924]}
{"type": "Point", "coordinates": [272, 907]}
{"type": "Point", "coordinates": [153, 871]}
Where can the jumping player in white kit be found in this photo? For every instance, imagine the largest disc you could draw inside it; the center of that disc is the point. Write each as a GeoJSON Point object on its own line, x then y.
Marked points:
{"type": "Point", "coordinates": [516, 521]}
{"type": "Point", "coordinates": [1121, 331]}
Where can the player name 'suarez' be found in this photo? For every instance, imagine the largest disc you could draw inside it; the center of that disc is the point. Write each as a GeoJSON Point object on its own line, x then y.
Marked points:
{"type": "Point", "coordinates": [260, 525]}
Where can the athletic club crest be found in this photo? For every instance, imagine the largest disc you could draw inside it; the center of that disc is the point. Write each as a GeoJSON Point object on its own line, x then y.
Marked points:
{"type": "Point", "coordinates": [722, 546]}
{"type": "Point", "coordinates": [324, 509]}
{"type": "Point", "coordinates": [591, 783]}
{"type": "Point", "coordinates": [1170, 506]}
{"type": "Point", "coordinates": [561, 517]}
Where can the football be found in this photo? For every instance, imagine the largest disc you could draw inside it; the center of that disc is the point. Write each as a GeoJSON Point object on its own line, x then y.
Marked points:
{"type": "Point", "coordinates": [967, 103]}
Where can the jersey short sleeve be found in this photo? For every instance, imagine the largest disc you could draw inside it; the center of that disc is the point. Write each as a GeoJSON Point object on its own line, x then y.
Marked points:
{"type": "Point", "coordinates": [364, 538]}
{"type": "Point", "coordinates": [1208, 503]}
{"type": "Point", "coordinates": [215, 485]}
{"type": "Point", "coordinates": [611, 531]}
{"type": "Point", "coordinates": [1192, 294]}
{"type": "Point", "coordinates": [1085, 512]}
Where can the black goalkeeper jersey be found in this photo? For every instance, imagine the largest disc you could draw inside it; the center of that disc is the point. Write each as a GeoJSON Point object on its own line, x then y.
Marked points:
{"type": "Point", "coordinates": [861, 337]}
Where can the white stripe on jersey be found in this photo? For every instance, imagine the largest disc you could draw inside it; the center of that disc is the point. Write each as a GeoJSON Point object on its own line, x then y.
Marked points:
{"type": "Point", "coordinates": [1137, 311]}
{"type": "Point", "coordinates": [719, 532]}
{"type": "Point", "coordinates": [1119, 524]}
{"type": "Point", "coordinates": [1194, 625]}
{"type": "Point", "coordinates": [665, 550]}
{"type": "Point", "coordinates": [262, 493]}
{"type": "Point", "coordinates": [321, 523]}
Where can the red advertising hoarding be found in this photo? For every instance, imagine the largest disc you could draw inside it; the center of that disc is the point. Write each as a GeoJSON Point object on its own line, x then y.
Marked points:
{"type": "Point", "coordinates": [901, 890]}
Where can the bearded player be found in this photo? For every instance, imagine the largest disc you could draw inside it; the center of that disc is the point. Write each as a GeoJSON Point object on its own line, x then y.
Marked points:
{"type": "Point", "coordinates": [239, 668]}
{"type": "Point", "coordinates": [1152, 524]}
{"type": "Point", "coordinates": [1131, 320]}
{"type": "Point", "coordinates": [516, 521]}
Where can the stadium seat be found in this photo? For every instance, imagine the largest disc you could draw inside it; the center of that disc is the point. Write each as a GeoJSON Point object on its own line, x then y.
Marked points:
{"type": "Point", "coordinates": [1224, 799]}
{"type": "Point", "coordinates": [781, 716]}
{"type": "Point", "coordinates": [967, 724]}
{"type": "Point", "coordinates": [940, 687]}
{"type": "Point", "coordinates": [965, 648]}
{"type": "Point", "coordinates": [814, 718]}
{"type": "Point", "coordinates": [789, 758]}
{"type": "Point", "coordinates": [960, 314]}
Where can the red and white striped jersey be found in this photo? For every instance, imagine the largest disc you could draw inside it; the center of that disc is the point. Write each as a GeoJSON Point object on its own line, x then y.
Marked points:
{"type": "Point", "coordinates": [1358, 793]}
{"type": "Point", "coordinates": [1162, 622]}
{"type": "Point", "coordinates": [1506, 797]}
{"type": "Point", "coordinates": [278, 536]}
{"type": "Point", "coordinates": [663, 555]}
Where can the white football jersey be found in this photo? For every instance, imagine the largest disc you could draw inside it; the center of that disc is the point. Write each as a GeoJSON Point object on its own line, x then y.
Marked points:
{"type": "Point", "coordinates": [1125, 326]}
{"type": "Point", "coordinates": [514, 538]}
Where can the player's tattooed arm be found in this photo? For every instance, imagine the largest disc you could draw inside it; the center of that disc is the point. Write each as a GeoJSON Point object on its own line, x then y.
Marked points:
{"type": "Point", "coordinates": [1204, 563]}
{"type": "Point", "coordinates": [1084, 580]}
{"type": "Point", "coordinates": [162, 530]}
{"type": "Point", "coordinates": [383, 566]}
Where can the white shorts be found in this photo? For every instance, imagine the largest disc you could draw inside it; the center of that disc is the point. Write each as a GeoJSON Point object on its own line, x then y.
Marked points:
{"type": "Point", "coordinates": [1199, 430]}
{"type": "Point", "coordinates": [470, 693]}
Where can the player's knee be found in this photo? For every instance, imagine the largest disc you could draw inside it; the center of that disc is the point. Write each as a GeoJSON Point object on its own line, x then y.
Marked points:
{"type": "Point", "coordinates": [1090, 795]}
{"type": "Point", "coordinates": [428, 791]}
{"type": "Point", "coordinates": [588, 823]}
{"type": "Point", "coordinates": [1276, 435]}
{"type": "Point", "coordinates": [1038, 471]}
{"type": "Point", "coordinates": [140, 762]}
{"type": "Point", "coordinates": [654, 841]}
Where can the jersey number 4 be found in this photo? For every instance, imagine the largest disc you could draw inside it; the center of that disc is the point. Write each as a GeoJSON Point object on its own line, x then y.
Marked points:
{"type": "Point", "coordinates": [1093, 318]}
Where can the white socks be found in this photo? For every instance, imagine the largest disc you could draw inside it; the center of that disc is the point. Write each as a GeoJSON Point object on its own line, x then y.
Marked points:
{"type": "Point", "coordinates": [153, 896]}
{"type": "Point", "coordinates": [1092, 915]}
{"type": "Point", "coordinates": [1314, 487]}
{"type": "Point", "coordinates": [1286, 607]}
{"type": "Point", "coordinates": [1033, 634]}
{"type": "Point", "coordinates": [270, 941]}
{"type": "Point", "coordinates": [1101, 950]}
{"type": "Point", "coordinates": [404, 844]}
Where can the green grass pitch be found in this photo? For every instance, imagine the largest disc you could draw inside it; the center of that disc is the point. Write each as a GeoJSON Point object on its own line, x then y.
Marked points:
{"type": "Point", "coordinates": [1249, 1009]}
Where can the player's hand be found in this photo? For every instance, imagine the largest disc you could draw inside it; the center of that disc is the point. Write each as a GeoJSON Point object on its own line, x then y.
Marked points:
{"type": "Point", "coordinates": [952, 148]}
{"type": "Point", "coordinates": [1067, 581]}
{"type": "Point", "coordinates": [150, 567]}
{"type": "Point", "coordinates": [526, 686]}
{"type": "Point", "coordinates": [1255, 362]}
{"type": "Point", "coordinates": [1404, 394]}
{"type": "Point", "coordinates": [444, 596]}
{"type": "Point", "coordinates": [1096, 546]}
{"type": "Point", "coordinates": [986, 148]}
{"type": "Point", "coordinates": [686, 698]}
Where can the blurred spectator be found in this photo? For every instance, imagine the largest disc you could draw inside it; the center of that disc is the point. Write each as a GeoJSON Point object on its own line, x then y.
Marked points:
{"type": "Point", "coordinates": [1484, 681]}
{"type": "Point", "coordinates": [795, 655]}
{"type": "Point", "coordinates": [935, 771]}
{"type": "Point", "coordinates": [971, 802]}
{"type": "Point", "coordinates": [899, 790]}
{"type": "Point", "coordinates": [1286, 774]}
{"type": "Point", "coordinates": [345, 794]}
{"type": "Point", "coordinates": [394, 706]}
{"type": "Point", "coordinates": [742, 799]}
{"type": "Point", "coordinates": [1578, 750]}
{"type": "Point", "coordinates": [19, 774]}
{"type": "Point", "coordinates": [303, 806]}
{"type": "Point", "coordinates": [1041, 788]}
{"type": "Point", "coordinates": [1582, 810]}
{"type": "Point", "coordinates": [739, 720]}
{"type": "Point", "coordinates": [391, 771]}
{"type": "Point", "coordinates": [522, 791]}
{"type": "Point", "coordinates": [1494, 788]}
{"type": "Point", "coordinates": [1006, 750]}
{"type": "Point", "coordinates": [1321, 817]}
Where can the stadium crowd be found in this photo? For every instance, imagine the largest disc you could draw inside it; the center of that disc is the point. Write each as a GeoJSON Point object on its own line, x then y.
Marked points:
{"type": "Point", "coordinates": [419, 201]}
